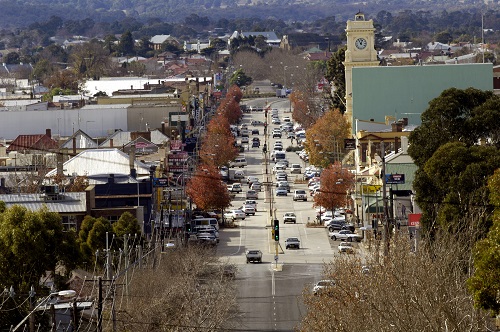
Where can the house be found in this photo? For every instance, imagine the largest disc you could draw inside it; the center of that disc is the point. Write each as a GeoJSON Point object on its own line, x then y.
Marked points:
{"type": "Point", "coordinates": [121, 138]}
{"type": "Point", "coordinates": [270, 36]}
{"type": "Point", "coordinates": [35, 142]}
{"type": "Point", "coordinates": [102, 161]}
{"type": "Point", "coordinates": [198, 46]}
{"type": "Point", "coordinates": [79, 141]}
{"type": "Point", "coordinates": [157, 41]}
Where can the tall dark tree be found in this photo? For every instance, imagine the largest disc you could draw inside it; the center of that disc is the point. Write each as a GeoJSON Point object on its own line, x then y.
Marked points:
{"type": "Point", "coordinates": [450, 182]}
{"type": "Point", "coordinates": [126, 44]}
{"type": "Point", "coordinates": [335, 74]}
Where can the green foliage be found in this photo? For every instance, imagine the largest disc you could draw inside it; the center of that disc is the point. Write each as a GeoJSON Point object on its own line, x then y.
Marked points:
{"type": "Point", "coordinates": [451, 180]}
{"type": "Point", "coordinates": [484, 284]}
{"type": "Point", "coordinates": [32, 243]}
{"type": "Point", "coordinates": [127, 224]}
{"type": "Point", "coordinates": [239, 78]}
{"type": "Point", "coordinates": [335, 73]}
{"type": "Point", "coordinates": [126, 44]}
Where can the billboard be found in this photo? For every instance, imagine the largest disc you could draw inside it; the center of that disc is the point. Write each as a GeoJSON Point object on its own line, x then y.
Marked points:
{"type": "Point", "coordinates": [394, 178]}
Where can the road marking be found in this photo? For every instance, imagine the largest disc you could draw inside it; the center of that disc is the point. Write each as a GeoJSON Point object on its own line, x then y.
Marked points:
{"type": "Point", "coordinates": [273, 285]}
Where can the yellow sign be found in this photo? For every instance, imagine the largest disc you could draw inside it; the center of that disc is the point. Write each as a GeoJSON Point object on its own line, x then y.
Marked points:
{"type": "Point", "coordinates": [368, 189]}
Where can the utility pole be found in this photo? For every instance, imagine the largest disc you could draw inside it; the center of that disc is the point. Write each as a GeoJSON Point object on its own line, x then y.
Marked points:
{"type": "Point", "coordinates": [109, 272]}
{"type": "Point", "coordinates": [384, 197]}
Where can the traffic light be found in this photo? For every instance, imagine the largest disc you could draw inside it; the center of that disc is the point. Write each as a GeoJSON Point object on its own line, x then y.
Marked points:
{"type": "Point", "coordinates": [276, 230]}
{"type": "Point", "coordinates": [188, 227]}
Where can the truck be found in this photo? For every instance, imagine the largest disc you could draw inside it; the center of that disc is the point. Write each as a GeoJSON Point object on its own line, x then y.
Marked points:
{"type": "Point", "coordinates": [281, 93]}
{"type": "Point", "coordinates": [292, 242]}
{"type": "Point", "coordinates": [254, 256]}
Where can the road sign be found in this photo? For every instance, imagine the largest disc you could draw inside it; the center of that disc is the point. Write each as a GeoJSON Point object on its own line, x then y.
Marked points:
{"type": "Point", "coordinates": [394, 178]}
{"type": "Point", "coordinates": [414, 219]}
{"type": "Point", "coordinates": [276, 258]}
{"type": "Point", "coordinates": [160, 182]}
{"type": "Point", "coordinates": [349, 144]}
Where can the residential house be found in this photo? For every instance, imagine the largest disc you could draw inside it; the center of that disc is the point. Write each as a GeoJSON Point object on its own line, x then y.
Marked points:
{"type": "Point", "coordinates": [270, 36]}
{"type": "Point", "coordinates": [198, 46]}
{"type": "Point", "coordinates": [157, 41]}
{"type": "Point", "coordinates": [120, 139]}
{"type": "Point", "coordinates": [78, 142]}
{"type": "Point", "coordinates": [33, 150]}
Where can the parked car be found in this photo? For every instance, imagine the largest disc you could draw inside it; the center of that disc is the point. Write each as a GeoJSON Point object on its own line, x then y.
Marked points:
{"type": "Point", "coordinates": [244, 140]}
{"type": "Point", "coordinates": [257, 123]}
{"type": "Point", "coordinates": [346, 247]}
{"type": "Point", "coordinates": [277, 134]}
{"type": "Point", "coordinates": [235, 215]}
{"type": "Point", "coordinates": [255, 144]}
{"type": "Point", "coordinates": [255, 132]}
{"type": "Point", "coordinates": [322, 286]}
{"type": "Point", "coordinates": [345, 235]}
{"type": "Point", "coordinates": [283, 184]}
{"type": "Point", "coordinates": [251, 194]}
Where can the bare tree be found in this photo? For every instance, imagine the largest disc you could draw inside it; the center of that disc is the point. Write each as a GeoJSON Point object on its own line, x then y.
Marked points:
{"type": "Point", "coordinates": [408, 290]}
{"type": "Point", "coordinates": [188, 291]}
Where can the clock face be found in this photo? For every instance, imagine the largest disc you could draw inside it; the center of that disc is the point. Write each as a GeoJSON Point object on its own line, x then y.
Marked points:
{"type": "Point", "coordinates": [360, 43]}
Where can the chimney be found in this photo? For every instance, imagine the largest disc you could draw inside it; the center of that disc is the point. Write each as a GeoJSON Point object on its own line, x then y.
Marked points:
{"type": "Point", "coordinates": [59, 168]}
{"type": "Point", "coordinates": [48, 132]}
{"type": "Point", "coordinates": [133, 171]}
{"type": "Point", "coordinates": [110, 142]}
{"type": "Point", "coordinates": [405, 121]}
{"type": "Point", "coordinates": [74, 145]}
{"type": "Point", "coordinates": [2, 182]}
{"type": "Point", "coordinates": [111, 178]}
{"type": "Point", "coordinates": [404, 144]}
{"type": "Point", "coordinates": [397, 126]}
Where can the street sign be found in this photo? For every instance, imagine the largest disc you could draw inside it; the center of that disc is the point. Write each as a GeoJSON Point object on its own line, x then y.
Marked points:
{"type": "Point", "coordinates": [414, 219]}
{"type": "Point", "coordinates": [349, 144]}
{"type": "Point", "coordinates": [160, 182]}
{"type": "Point", "coordinates": [394, 178]}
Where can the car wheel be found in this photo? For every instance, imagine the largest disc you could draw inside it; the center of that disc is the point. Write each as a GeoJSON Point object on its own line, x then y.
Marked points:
{"type": "Point", "coordinates": [286, 247]}
{"type": "Point", "coordinates": [298, 247]}
{"type": "Point", "coordinates": [349, 239]}
{"type": "Point", "coordinates": [334, 238]}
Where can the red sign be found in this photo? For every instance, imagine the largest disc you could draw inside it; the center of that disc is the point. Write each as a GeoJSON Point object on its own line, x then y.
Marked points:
{"type": "Point", "coordinates": [175, 145]}
{"type": "Point", "coordinates": [414, 219]}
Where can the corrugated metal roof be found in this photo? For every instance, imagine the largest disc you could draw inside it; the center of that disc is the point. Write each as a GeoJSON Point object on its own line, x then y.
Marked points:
{"type": "Point", "coordinates": [68, 202]}
{"type": "Point", "coordinates": [101, 161]}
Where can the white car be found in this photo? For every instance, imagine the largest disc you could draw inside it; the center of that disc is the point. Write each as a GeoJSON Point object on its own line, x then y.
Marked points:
{"type": "Point", "coordinates": [322, 285]}
{"type": "Point", "coordinates": [287, 119]}
{"type": "Point", "coordinates": [252, 179]}
{"type": "Point", "coordinates": [295, 169]}
{"type": "Point", "coordinates": [235, 215]}
{"type": "Point", "coordinates": [345, 235]}
{"type": "Point", "coordinates": [248, 209]}
{"type": "Point", "coordinates": [252, 203]}
{"type": "Point", "coordinates": [257, 186]}
{"type": "Point", "coordinates": [244, 140]}
{"type": "Point", "coordinates": [279, 167]}
{"type": "Point", "coordinates": [346, 247]}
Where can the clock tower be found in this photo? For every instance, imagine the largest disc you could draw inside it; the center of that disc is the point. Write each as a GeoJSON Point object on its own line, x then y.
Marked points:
{"type": "Point", "coordinates": [360, 52]}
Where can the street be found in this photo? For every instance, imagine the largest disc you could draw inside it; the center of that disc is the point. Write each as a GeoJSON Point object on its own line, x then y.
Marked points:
{"type": "Point", "coordinates": [270, 293]}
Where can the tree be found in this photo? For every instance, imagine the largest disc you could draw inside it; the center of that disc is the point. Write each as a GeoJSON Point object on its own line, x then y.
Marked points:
{"type": "Point", "coordinates": [217, 147]}
{"type": "Point", "coordinates": [335, 74]}
{"type": "Point", "coordinates": [484, 283]}
{"type": "Point", "coordinates": [336, 182]}
{"type": "Point", "coordinates": [92, 236]}
{"type": "Point", "coordinates": [187, 291]}
{"type": "Point", "coordinates": [451, 187]}
{"type": "Point", "coordinates": [126, 44]}
{"type": "Point", "coordinates": [127, 224]}
{"type": "Point", "coordinates": [31, 243]}
{"type": "Point", "coordinates": [406, 291]}
{"type": "Point", "coordinates": [239, 78]}
{"type": "Point", "coordinates": [325, 139]}
{"type": "Point", "coordinates": [90, 60]}
{"type": "Point", "coordinates": [207, 190]}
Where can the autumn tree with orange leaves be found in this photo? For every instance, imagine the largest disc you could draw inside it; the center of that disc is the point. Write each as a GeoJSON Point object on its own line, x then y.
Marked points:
{"type": "Point", "coordinates": [336, 181]}
{"type": "Point", "coordinates": [207, 190]}
{"type": "Point", "coordinates": [230, 105]}
{"type": "Point", "coordinates": [217, 147]}
{"type": "Point", "coordinates": [325, 139]}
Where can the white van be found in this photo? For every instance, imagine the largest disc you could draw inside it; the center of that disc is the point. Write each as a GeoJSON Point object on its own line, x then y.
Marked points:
{"type": "Point", "coordinates": [206, 222]}
{"type": "Point", "coordinates": [238, 162]}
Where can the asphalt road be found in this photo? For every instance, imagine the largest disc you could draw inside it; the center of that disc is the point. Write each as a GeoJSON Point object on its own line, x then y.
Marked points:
{"type": "Point", "coordinates": [270, 293]}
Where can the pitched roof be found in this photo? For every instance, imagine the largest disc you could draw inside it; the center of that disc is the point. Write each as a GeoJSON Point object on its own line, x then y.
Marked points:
{"type": "Point", "coordinates": [101, 161]}
{"type": "Point", "coordinates": [33, 142]}
{"type": "Point", "coordinates": [82, 141]}
{"type": "Point", "coordinates": [160, 39]}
